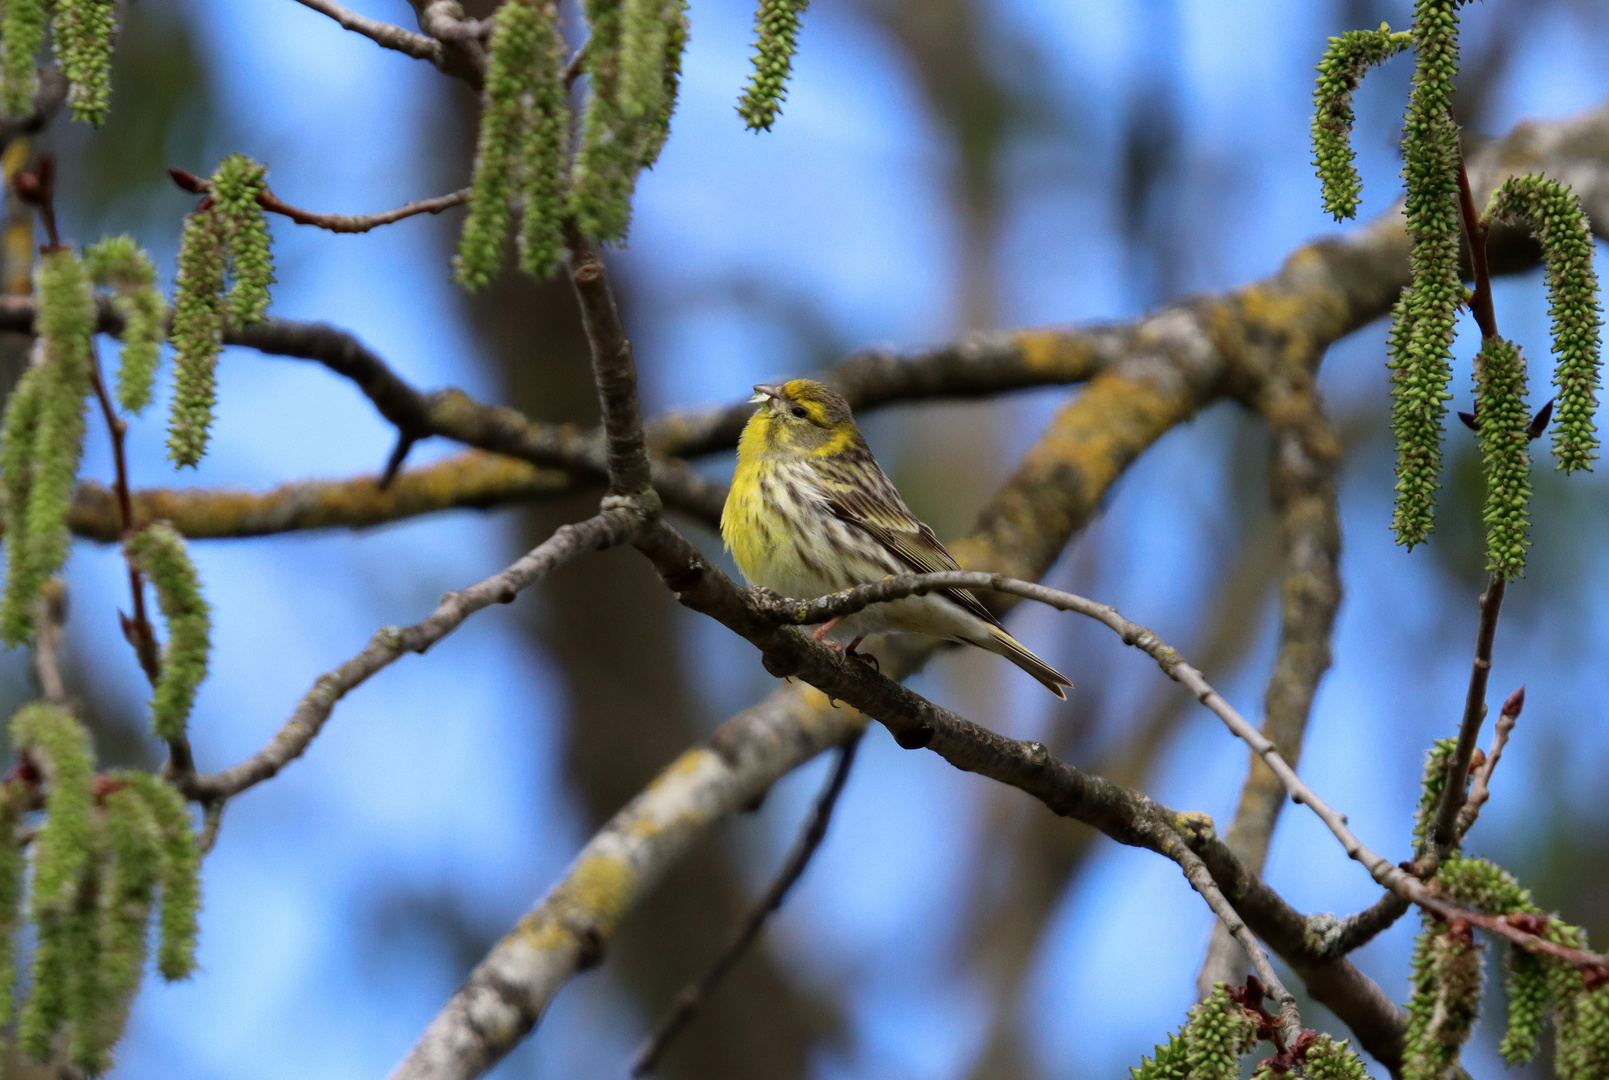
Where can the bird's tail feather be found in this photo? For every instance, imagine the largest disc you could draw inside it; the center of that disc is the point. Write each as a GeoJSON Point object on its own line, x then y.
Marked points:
{"type": "Point", "coordinates": [1003, 644]}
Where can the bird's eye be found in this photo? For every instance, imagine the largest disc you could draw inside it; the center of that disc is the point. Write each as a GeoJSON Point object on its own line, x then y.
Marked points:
{"type": "Point", "coordinates": [798, 410]}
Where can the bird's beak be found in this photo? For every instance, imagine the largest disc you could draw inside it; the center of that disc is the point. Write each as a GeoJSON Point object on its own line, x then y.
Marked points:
{"type": "Point", "coordinates": [764, 393]}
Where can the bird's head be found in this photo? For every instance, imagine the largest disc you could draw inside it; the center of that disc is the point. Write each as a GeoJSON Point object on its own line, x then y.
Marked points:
{"type": "Point", "coordinates": [801, 417]}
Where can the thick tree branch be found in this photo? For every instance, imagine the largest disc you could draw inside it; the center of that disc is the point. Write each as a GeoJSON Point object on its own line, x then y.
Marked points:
{"type": "Point", "coordinates": [472, 479]}
{"type": "Point", "coordinates": [607, 529]}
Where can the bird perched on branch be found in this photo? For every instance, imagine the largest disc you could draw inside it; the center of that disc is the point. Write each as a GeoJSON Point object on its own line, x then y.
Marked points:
{"type": "Point", "coordinates": [811, 513]}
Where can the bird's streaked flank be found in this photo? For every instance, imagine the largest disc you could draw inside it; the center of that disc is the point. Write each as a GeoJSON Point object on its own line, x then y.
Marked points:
{"type": "Point", "coordinates": [811, 512]}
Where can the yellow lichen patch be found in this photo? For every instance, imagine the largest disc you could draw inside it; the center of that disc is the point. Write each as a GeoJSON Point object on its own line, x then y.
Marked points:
{"type": "Point", "coordinates": [1067, 472]}
{"type": "Point", "coordinates": [1053, 352]}
{"type": "Point", "coordinates": [472, 479]}
{"type": "Point", "coordinates": [541, 932]}
{"type": "Point", "coordinates": [598, 890]}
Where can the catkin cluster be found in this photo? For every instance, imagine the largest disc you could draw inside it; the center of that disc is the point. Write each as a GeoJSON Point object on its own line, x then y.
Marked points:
{"type": "Point", "coordinates": [1552, 211]}
{"type": "Point", "coordinates": [1447, 970]}
{"type": "Point", "coordinates": [42, 439]}
{"type": "Point", "coordinates": [1217, 1033]}
{"type": "Point", "coordinates": [520, 151]}
{"type": "Point", "coordinates": [112, 849]}
{"type": "Point", "coordinates": [633, 63]}
{"type": "Point", "coordinates": [225, 242]}
{"type": "Point", "coordinates": [83, 31]}
{"type": "Point", "coordinates": [1421, 337]}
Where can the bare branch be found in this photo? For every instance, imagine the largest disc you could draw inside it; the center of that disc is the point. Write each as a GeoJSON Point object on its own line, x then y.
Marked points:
{"type": "Point", "coordinates": [336, 223]}
{"type": "Point", "coordinates": [613, 369]}
{"type": "Point", "coordinates": [607, 529]}
{"type": "Point", "coordinates": [1200, 878]}
{"type": "Point", "coordinates": [692, 996]}
{"type": "Point", "coordinates": [1383, 871]}
{"type": "Point", "coordinates": [383, 34]}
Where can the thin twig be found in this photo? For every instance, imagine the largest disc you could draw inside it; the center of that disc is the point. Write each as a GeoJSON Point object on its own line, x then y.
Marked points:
{"type": "Point", "coordinates": [418, 46]}
{"type": "Point", "coordinates": [336, 223]}
{"type": "Point", "coordinates": [1481, 790]}
{"type": "Point", "coordinates": [1200, 878]}
{"type": "Point", "coordinates": [138, 628]}
{"type": "Point", "coordinates": [849, 601]}
{"type": "Point", "coordinates": [606, 529]}
{"type": "Point", "coordinates": [687, 1002]}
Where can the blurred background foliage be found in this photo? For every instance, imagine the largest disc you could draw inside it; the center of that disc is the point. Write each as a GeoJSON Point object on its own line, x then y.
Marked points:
{"type": "Point", "coordinates": [941, 165]}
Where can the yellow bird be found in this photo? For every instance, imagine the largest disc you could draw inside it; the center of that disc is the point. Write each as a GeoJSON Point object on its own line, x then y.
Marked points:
{"type": "Point", "coordinates": [811, 512]}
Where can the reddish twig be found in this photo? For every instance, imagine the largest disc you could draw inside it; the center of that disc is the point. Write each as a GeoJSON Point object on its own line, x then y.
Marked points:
{"type": "Point", "coordinates": [336, 223]}
{"type": "Point", "coordinates": [1480, 301]}
{"type": "Point", "coordinates": [1481, 790]}
{"type": "Point", "coordinates": [136, 629]}
{"type": "Point", "coordinates": [38, 189]}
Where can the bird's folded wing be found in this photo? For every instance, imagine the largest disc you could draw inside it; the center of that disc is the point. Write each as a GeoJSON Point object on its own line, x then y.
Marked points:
{"type": "Point", "coordinates": [883, 516]}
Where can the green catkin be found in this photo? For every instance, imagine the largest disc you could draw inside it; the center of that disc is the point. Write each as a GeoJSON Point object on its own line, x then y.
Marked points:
{"type": "Point", "coordinates": [776, 39]}
{"type": "Point", "coordinates": [197, 333]}
{"type": "Point", "coordinates": [180, 874]}
{"type": "Point", "coordinates": [643, 33]}
{"type": "Point", "coordinates": [1217, 1033]}
{"type": "Point", "coordinates": [1430, 169]}
{"type": "Point", "coordinates": [60, 748]}
{"type": "Point", "coordinates": [64, 851]}
{"type": "Point", "coordinates": [17, 434]}
{"type": "Point", "coordinates": [84, 31]}
{"type": "Point", "coordinates": [1554, 214]}
{"type": "Point", "coordinates": [1327, 1059]}
{"type": "Point", "coordinates": [1345, 61]}
{"type": "Point", "coordinates": [605, 168]}
{"type": "Point", "coordinates": [66, 326]}
{"type": "Point", "coordinates": [22, 33]}
{"type": "Point", "coordinates": [1526, 987]}
{"type": "Point", "coordinates": [657, 128]}
{"type": "Point", "coordinates": [1483, 885]}
{"type": "Point", "coordinates": [13, 807]}
{"type": "Point", "coordinates": [1433, 782]}
{"type": "Point", "coordinates": [518, 45]}
{"type": "Point", "coordinates": [128, 886]}
{"type": "Point", "coordinates": [160, 552]}
{"type": "Point", "coordinates": [118, 263]}
{"type": "Point", "coordinates": [1445, 1003]}
{"type": "Point", "coordinates": [235, 188]}
{"type": "Point", "coordinates": [541, 152]}
{"type": "Point", "coordinates": [1503, 415]}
